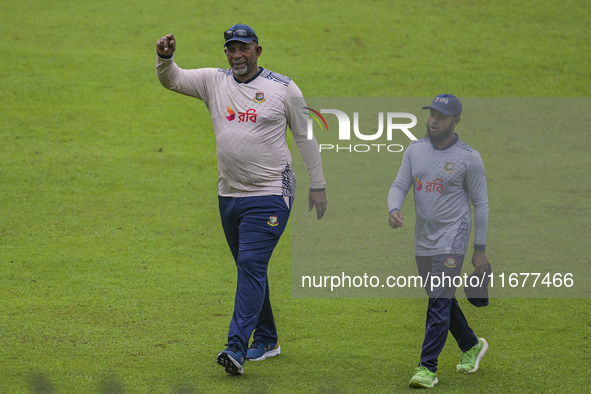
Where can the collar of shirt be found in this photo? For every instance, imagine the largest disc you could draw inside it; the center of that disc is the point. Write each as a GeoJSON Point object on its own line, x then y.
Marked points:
{"type": "Point", "coordinates": [452, 143]}
{"type": "Point", "coordinates": [251, 79]}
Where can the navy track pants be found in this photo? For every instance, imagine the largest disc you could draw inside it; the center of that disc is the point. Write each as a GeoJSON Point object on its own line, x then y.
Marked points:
{"type": "Point", "coordinates": [443, 312]}
{"type": "Point", "coordinates": [253, 226]}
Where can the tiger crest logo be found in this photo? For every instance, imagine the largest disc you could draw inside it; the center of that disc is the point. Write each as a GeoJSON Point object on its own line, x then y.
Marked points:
{"type": "Point", "coordinates": [259, 97]}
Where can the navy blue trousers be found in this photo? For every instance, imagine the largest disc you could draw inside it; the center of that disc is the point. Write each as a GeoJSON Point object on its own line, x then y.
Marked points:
{"type": "Point", "coordinates": [253, 226]}
{"type": "Point", "coordinates": [443, 312]}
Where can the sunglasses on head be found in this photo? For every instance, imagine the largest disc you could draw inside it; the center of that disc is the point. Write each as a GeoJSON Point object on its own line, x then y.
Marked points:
{"type": "Point", "coordinates": [241, 33]}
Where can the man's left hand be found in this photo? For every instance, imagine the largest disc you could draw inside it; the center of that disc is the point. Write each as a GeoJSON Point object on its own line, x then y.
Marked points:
{"type": "Point", "coordinates": [318, 199]}
{"type": "Point", "coordinates": [479, 261]}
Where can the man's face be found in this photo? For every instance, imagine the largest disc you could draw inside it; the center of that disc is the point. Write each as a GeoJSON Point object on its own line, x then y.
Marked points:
{"type": "Point", "coordinates": [242, 57]}
{"type": "Point", "coordinates": [440, 127]}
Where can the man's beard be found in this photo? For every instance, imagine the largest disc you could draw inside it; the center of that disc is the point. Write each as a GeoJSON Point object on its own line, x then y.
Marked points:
{"type": "Point", "coordinates": [441, 136]}
{"type": "Point", "coordinates": [242, 71]}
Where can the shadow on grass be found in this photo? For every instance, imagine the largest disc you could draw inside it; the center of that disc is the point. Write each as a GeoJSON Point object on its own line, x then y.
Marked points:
{"type": "Point", "coordinates": [40, 383]}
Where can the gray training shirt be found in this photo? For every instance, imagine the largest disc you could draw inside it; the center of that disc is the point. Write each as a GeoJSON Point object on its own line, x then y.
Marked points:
{"type": "Point", "coordinates": [250, 120]}
{"type": "Point", "coordinates": [444, 182]}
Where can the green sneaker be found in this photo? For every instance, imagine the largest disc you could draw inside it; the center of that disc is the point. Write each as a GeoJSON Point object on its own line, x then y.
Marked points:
{"type": "Point", "coordinates": [423, 379]}
{"type": "Point", "coordinates": [471, 358]}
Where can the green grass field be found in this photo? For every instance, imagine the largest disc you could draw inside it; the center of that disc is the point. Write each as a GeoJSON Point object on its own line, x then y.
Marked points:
{"type": "Point", "coordinates": [114, 273]}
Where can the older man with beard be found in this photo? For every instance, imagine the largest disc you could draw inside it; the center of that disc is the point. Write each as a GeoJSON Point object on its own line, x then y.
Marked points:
{"type": "Point", "coordinates": [251, 108]}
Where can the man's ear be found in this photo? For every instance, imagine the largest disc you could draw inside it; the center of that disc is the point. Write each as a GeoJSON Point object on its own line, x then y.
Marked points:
{"type": "Point", "coordinates": [258, 50]}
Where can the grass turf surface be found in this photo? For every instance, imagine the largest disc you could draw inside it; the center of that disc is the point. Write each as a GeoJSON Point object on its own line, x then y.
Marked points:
{"type": "Point", "coordinates": [114, 274]}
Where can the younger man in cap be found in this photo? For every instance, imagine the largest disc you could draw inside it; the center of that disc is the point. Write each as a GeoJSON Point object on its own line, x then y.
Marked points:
{"type": "Point", "coordinates": [446, 175]}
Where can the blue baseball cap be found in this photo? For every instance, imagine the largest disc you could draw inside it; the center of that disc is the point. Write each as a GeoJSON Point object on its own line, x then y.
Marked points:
{"type": "Point", "coordinates": [447, 104]}
{"type": "Point", "coordinates": [240, 32]}
{"type": "Point", "coordinates": [478, 294]}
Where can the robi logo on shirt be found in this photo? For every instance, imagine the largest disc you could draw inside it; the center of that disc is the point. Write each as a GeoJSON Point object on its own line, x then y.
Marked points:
{"type": "Point", "coordinates": [249, 116]}
{"type": "Point", "coordinates": [232, 114]}
{"type": "Point", "coordinates": [431, 187]}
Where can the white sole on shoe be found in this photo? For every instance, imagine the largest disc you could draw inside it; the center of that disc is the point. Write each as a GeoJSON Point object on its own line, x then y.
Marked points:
{"type": "Point", "coordinates": [417, 385]}
{"type": "Point", "coordinates": [480, 355]}
{"type": "Point", "coordinates": [267, 354]}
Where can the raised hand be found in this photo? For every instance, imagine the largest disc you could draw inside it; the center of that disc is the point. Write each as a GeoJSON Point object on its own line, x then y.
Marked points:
{"type": "Point", "coordinates": [166, 45]}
